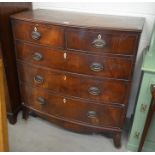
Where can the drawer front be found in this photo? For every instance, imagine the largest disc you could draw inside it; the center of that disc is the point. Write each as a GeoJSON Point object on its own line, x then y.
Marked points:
{"type": "Point", "coordinates": [76, 110]}
{"type": "Point", "coordinates": [108, 91]}
{"type": "Point", "coordinates": [112, 67]}
{"type": "Point", "coordinates": [39, 33]}
{"type": "Point", "coordinates": [102, 41]}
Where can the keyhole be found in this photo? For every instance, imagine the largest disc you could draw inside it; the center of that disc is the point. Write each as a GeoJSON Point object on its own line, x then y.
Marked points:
{"type": "Point", "coordinates": [99, 36]}
{"type": "Point", "coordinates": [35, 29]}
{"type": "Point", "coordinates": [64, 100]}
{"type": "Point", "coordinates": [65, 55]}
{"type": "Point", "coordinates": [65, 77]}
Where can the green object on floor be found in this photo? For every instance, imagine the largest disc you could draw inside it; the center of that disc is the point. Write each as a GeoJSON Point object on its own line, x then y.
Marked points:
{"type": "Point", "coordinates": [143, 103]}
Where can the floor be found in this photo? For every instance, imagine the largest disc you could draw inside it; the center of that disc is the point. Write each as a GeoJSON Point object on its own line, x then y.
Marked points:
{"type": "Point", "coordinates": [37, 135]}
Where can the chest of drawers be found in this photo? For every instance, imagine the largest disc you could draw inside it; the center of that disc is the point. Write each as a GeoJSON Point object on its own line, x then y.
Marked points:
{"type": "Point", "coordinates": [75, 69]}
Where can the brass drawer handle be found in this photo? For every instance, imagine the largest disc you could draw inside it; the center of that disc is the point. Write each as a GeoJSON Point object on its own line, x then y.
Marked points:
{"type": "Point", "coordinates": [41, 100]}
{"type": "Point", "coordinates": [37, 56]}
{"type": "Point", "coordinates": [96, 67]}
{"type": "Point", "coordinates": [99, 42]}
{"type": "Point", "coordinates": [35, 34]}
{"type": "Point", "coordinates": [94, 91]}
{"type": "Point", "coordinates": [38, 79]}
{"type": "Point", "coordinates": [91, 114]}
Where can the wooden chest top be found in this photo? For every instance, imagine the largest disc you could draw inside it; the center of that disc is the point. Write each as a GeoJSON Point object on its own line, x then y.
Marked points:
{"type": "Point", "coordinates": [73, 19]}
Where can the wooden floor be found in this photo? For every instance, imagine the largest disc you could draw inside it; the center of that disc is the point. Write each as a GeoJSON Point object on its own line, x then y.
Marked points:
{"type": "Point", "coordinates": [3, 122]}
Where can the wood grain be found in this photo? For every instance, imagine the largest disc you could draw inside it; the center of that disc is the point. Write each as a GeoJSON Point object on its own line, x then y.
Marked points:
{"type": "Point", "coordinates": [49, 35]}
{"type": "Point", "coordinates": [73, 19]}
{"type": "Point", "coordinates": [123, 43]}
{"type": "Point", "coordinates": [8, 55]}
{"type": "Point", "coordinates": [3, 121]}
{"type": "Point", "coordinates": [75, 85]}
{"type": "Point", "coordinates": [63, 74]}
{"type": "Point", "coordinates": [75, 110]}
{"type": "Point", "coordinates": [75, 62]}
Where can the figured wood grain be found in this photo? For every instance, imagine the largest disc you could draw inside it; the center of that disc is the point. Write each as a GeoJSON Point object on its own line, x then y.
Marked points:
{"type": "Point", "coordinates": [74, 109]}
{"type": "Point", "coordinates": [71, 125]}
{"type": "Point", "coordinates": [75, 62]}
{"type": "Point", "coordinates": [83, 19]}
{"type": "Point", "coordinates": [73, 85]}
{"type": "Point", "coordinates": [124, 43]}
{"type": "Point", "coordinates": [49, 35]}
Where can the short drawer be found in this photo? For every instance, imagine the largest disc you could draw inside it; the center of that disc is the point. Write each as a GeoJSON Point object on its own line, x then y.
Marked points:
{"type": "Point", "coordinates": [100, 42]}
{"type": "Point", "coordinates": [39, 33]}
{"type": "Point", "coordinates": [72, 109]}
{"type": "Point", "coordinates": [107, 90]}
{"type": "Point", "coordinates": [101, 66]}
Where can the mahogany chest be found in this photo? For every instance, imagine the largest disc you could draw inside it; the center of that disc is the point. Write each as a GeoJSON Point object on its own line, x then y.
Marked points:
{"type": "Point", "coordinates": [75, 69]}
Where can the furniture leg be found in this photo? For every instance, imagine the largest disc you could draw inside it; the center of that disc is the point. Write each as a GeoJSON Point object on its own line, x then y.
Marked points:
{"type": "Point", "coordinates": [117, 139]}
{"type": "Point", "coordinates": [12, 118]}
{"type": "Point", "coordinates": [25, 112]}
{"type": "Point", "coordinates": [33, 114]}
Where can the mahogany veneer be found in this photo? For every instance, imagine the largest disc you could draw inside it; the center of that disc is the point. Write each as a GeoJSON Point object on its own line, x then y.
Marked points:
{"type": "Point", "coordinates": [114, 67]}
{"type": "Point", "coordinates": [8, 55]}
{"type": "Point", "coordinates": [76, 69]}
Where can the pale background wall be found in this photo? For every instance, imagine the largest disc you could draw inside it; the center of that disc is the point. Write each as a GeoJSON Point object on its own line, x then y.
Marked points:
{"type": "Point", "coordinates": [146, 10]}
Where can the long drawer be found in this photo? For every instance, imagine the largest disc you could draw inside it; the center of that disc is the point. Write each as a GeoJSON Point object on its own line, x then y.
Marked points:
{"type": "Point", "coordinates": [101, 66]}
{"type": "Point", "coordinates": [100, 41]}
{"type": "Point", "coordinates": [39, 33]}
{"type": "Point", "coordinates": [107, 90]}
{"type": "Point", "coordinates": [71, 109]}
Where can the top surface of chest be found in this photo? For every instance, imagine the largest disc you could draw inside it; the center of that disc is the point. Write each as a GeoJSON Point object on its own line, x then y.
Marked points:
{"type": "Point", "coordinates": [87, 20]}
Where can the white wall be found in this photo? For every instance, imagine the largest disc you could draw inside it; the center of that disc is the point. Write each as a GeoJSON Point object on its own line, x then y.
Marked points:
{"type": "Point", "coordinates": [146, 10]}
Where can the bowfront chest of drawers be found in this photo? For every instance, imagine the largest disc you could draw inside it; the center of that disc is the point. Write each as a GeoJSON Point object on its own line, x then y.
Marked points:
{"type": "Point", "coordinates": [75, 69]}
